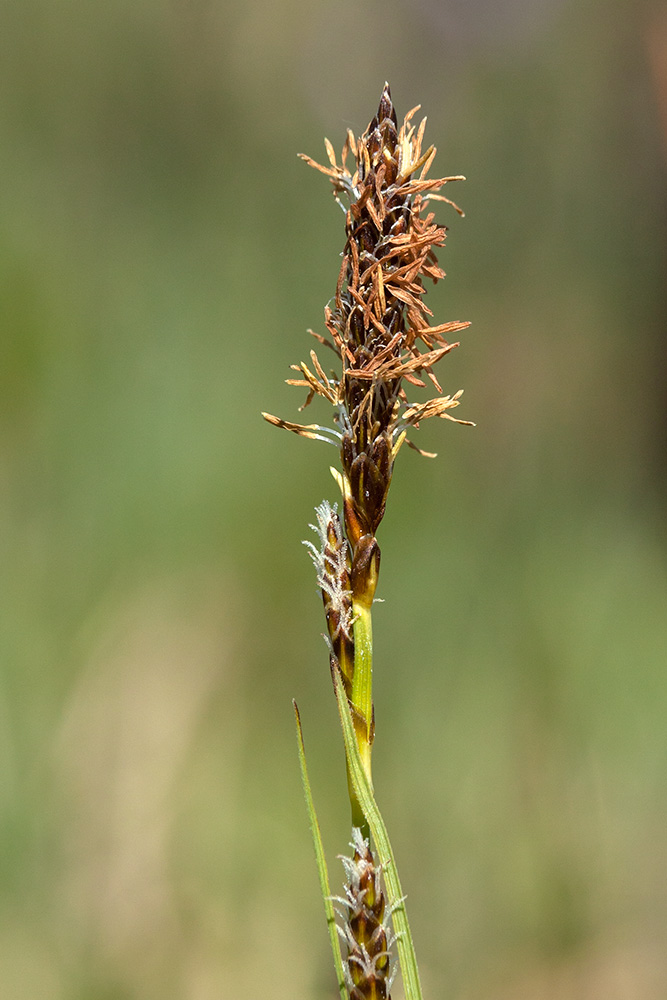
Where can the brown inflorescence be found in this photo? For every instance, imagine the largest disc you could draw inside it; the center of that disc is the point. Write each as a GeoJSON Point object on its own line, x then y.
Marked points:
{"type": "Point", "coordinates": [378, 323]}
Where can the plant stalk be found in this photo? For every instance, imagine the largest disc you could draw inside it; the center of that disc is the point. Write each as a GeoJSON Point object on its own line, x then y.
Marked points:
{"type": "Point", "coordinates": [361, 704]}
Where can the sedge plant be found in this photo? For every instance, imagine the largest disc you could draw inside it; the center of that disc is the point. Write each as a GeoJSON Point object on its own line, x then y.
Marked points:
{"type": "Point", "coordinates": [378, 327]}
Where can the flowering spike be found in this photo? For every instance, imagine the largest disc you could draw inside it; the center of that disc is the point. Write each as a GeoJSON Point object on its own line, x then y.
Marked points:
{"type": "Point", "coordinates": [378, 322]}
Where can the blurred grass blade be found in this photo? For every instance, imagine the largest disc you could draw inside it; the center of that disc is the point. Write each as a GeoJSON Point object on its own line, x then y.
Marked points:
{"type": "Point", "coordinates": [321, 861]}
{"type": "Point", "coordinates": [362, 789]}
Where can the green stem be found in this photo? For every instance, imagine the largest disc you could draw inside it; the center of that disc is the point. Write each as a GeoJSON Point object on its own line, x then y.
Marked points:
{"type": "Point", "coordinates": [362, 681]}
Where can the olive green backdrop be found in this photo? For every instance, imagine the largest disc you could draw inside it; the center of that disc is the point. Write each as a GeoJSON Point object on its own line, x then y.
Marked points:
{"type": "Point", "coordinates": [162, 252]}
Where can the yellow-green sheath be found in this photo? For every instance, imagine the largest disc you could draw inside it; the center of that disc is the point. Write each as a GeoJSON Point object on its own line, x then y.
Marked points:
{"type": "Point", "coordinates": [362, 683]}
{"type": "Point", "coordinates": [361, 705]}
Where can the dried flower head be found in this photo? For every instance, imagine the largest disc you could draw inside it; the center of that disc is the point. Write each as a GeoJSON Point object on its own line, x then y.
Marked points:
{"type": "Point", "coordinates": [379, 324]}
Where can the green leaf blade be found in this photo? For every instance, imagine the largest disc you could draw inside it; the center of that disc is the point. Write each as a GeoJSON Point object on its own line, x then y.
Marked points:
{"type": "Point", "coordinates": [321, 861]}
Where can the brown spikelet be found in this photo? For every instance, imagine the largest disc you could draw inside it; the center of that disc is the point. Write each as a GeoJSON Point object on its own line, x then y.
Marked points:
{"type": "Point", "coordinates": [366, 935]}
{"type": "Point", "coordinates": [378, 324]}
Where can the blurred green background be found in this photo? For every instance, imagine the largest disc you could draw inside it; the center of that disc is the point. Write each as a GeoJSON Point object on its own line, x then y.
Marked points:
{"type": "Point", "coordinates": [162, 252]}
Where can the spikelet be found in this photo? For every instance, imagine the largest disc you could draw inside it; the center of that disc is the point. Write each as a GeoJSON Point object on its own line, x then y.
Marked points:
{"type": "Point", "coordinates": [367, 937]}
{"type": "Point", "coordinates": [378, 323]}
{"type": "Point", "coordinates": [332, 564]}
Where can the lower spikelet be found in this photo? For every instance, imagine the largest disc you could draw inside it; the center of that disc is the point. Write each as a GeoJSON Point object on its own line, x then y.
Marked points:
{"type": "Point", "coordinates": [367, 937]}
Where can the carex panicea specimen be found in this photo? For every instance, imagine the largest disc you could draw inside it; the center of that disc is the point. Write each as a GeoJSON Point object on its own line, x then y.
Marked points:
{"type": "Point", "coordinates": [378, 326]}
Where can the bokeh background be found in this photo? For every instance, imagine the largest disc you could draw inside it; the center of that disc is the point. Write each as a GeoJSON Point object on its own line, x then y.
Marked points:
{"type": "Point", "coordinates": [162, 252]}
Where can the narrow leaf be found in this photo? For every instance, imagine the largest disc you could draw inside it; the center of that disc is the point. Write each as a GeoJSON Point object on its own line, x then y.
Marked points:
{"type": "Point", "coordinates": [321, 861]}
{"type": "Point", "coordinates": [362, 789]}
